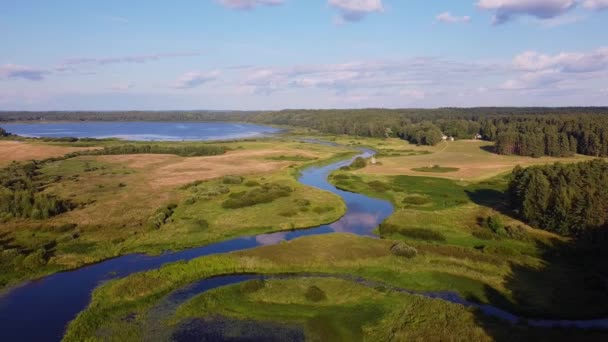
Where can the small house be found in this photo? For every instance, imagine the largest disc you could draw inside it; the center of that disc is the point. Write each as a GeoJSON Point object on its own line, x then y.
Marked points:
{"type": "Point", "coordinates": [444, 137]}
{"type": "Point", "coordinates": [451, 138]}
{"type": "Point", "coordinates": [478, 136]}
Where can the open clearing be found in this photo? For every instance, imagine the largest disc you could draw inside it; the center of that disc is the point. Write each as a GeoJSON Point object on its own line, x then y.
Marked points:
{"type": "Point", "coordinates": [171, 170]}
{"type": "Point", "coordinates": [20, 151]}
{"type": "Point", "coordinates": [473, 158]}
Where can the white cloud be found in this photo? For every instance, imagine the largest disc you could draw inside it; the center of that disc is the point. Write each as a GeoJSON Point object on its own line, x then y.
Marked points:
{"type": "Point", "coordinates": [194, 79]}
{"type": "Point", "coordinates": [505, 10]}
{"type": "Point", "coordinates": [571, 62]}
{"type": "Point", "coordinates": [249, 4]}
{"type": "Point", "coordinates": [447, 17]}
{"type": "Point", "coordinates": [19, 71]}
{"type": "Point", "coordinates": [355, 10]}
{"type": "Point", "coordinates": [595, 4]}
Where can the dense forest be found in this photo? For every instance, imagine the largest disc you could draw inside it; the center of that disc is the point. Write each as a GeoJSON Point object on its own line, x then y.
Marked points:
{"type": "Point", "coordinates": [566, 199]}
{"type": "Point", "coordinates": [522, 131]}
{"type": "Point", "coordinates": [20, 194]}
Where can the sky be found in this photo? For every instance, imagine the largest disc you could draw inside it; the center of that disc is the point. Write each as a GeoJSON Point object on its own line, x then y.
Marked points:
{"type": "Point", "coordinates": [278, 54]}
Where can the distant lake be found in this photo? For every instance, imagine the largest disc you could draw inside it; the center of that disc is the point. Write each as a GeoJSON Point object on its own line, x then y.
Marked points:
{"type": "Point", "coordinates": [143, 131]}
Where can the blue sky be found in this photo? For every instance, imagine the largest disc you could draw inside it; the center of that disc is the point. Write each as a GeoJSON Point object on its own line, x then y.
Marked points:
{"type": "Point", "coordinates": [275, 54]}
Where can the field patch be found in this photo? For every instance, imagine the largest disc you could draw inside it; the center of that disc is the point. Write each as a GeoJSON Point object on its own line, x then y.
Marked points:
{"type": "Point", "coordinates": [21, 151]}
{"type": "Point", "coordinates": [462, 159]}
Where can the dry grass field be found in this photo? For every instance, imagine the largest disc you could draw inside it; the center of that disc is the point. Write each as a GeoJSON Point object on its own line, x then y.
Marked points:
{"type": "Point", "coordinates": [20, 151]}
{"type": "Point", "coordinates": [472, 158]}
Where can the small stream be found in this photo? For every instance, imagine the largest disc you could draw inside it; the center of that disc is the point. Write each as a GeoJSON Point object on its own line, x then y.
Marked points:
{"type": "Point", "coordinates": [40, 310]}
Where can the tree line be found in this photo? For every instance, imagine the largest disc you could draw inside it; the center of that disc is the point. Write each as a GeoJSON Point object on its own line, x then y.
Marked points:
{"type": "Point", "coordinates": [180, 150]}
{"type": "Point", "coordinates": [521, 131]}
{"type": "Point", "coordinates": [567, 199]}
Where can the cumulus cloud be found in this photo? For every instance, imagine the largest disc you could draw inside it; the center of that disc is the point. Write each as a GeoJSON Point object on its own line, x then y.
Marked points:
{"type": "Point", "coordinates": [505, 10]}
{"type": "Point", "coordinates": [596, 4]}
{"type": "Point", "coordinates": [567, 69]}
{"type": "Point", "coordinates": [194, 79]}
{"type": "Point", "coordinates": [571, 62]}
{"type": "Point", "coordinates": [249, 4]}
{"type": "Point", "coordinates": [407, 77]}
{"type": "Point", "coordinates": [355, 10]}
{"type": "Point", "coordinates": [447, 17]}
{"type": "Point", "coordinates": [12, 71]}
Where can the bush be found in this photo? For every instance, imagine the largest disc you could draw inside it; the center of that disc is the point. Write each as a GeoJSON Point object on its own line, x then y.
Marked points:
{"type": "Point", "coordinates": [266, 194]}
{"type": "Point", "coordinates": [358, 163]}
{"type": "Point", "coordinates": [403, 250]}
{"type": "Point", "coordinates": [417, 200]}
{"type": "Point", "coordinates": [232, 180]}
{"type": "Point", "coordinates": [494, 223]}
{"type": "Point", "coordinates": [302, 202]}
{"type": "Point", "coordinates": [322, 210]}
{"type": "Point", "coordinates": [252, 183]}
{"type": "Point", "coordinates": [35, 260]}
{"type": "Point", "coordinates": [251, 286]}
{"type": "Point", "coordinates": [483, 234]}
{"type": "Point", "coordinates": [517, 233]}
{"type": "Point", "coordinates": [288, 213]}
{"type": "Point", "coordinates": [422, 234]}
{"type": "Point", "coordinates": [315, 294]}
{"type": "Point", "coordinates": [161, 216]}
{"type": "Point", "coordinates": [378, 186]}
{"type": "Point", "coordinates": [341, 177]}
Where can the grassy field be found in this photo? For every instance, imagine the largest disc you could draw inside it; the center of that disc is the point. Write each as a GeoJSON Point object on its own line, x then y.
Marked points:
{"type": "Point", "coordinates": [476, 275]}
{"type": "Point", "coordinates": [22, 151]}
{"type": "Point", "coordinates": [117, 197]}
{"type": "Point", "coordinates": [474, 160]}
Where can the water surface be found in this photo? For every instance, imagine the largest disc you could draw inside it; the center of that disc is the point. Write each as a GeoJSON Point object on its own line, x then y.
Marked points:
{"type": "Point", "coordinates": [143, 131]}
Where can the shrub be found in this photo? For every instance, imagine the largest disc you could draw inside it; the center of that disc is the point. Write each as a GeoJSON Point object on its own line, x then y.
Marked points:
{"type": "Point", "coordinates": [358, 163]}
{"type": "Point", "coordinates": [161, 216]}
{"type": "Point", "coordinates": [403, 250]}
{"type": "Point", "coordinates": [288, 213]}
{"type": "Point", "coordinates": [322, 210]}
{"type": "Point", "coordinates": [388, 228]}
{"type": "Point", "coordinates": [252, 183]}
{"type": "Point", "coordinates": [315, 294]}
{"type": "Point", "coordinates": [253, 285]}
{"type": "Point", "coordinates": [341, 176]}
{"type": "Point", "coordinates": [483, 234]}
{"type": "Point", "coordinates": [417, 200]}
{"type": "Point", "coordinates": [494, 223]}
{"type": "Point", "coordinates": [35, 260]}
{"type": "Point", "coordinates": [378, 186]}
{"type": "Point", "coordinates": [302, 202]}
{"type": "Point", "coordinates": [517, 233]}
{"type": "Point", "coordinates": [232, 180]}
{"type": "Point", "coordinates": [422, 234]}
{"type": "Point", "coordinates": [266, 194]}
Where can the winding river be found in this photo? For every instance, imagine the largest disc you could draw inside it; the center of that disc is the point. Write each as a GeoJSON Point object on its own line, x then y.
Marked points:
{"type": "Point", "coordinates": [40, 310]}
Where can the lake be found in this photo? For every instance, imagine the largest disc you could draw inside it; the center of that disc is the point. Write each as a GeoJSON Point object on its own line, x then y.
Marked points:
{"type": "Point", "coordinates": [143, 131]}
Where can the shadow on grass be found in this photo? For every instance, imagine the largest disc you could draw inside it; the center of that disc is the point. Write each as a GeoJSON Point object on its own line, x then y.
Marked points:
{"type": "Point", "coordinates": [488, 148]}
{"type": "Point", "coordinates": [571, 284]}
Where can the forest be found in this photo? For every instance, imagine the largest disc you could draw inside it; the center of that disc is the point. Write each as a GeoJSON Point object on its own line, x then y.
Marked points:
{"type": "Point", "coordinates": [566, 199]}
{"type": "Point", "coordinates": [532, 132]}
